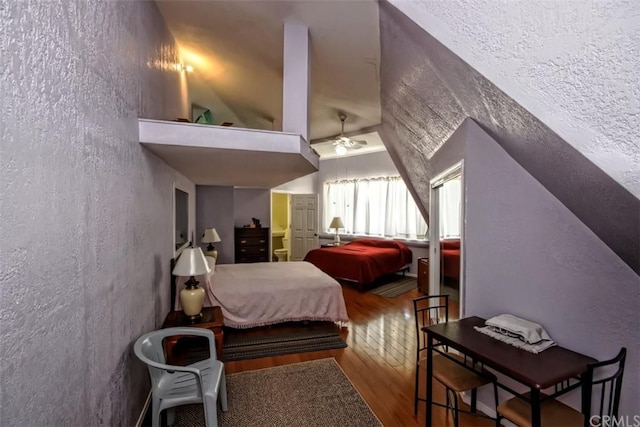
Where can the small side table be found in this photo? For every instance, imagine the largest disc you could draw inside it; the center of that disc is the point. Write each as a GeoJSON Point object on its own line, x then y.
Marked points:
{"type": "Point", "coordinates": [211, 319]}
{"type": "Point", "coordinates": [330, 245]}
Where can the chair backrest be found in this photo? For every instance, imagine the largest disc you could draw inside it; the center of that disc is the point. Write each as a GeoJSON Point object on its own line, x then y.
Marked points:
{"type": "Point", "coordinates": [605, 387]}
{"type": "Point", "coordinates": [149, 348]}
{"type": "Point", "coordinates": [429, 310]}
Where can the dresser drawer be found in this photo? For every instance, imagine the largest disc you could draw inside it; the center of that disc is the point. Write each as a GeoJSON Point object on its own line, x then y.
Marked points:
{"type": "Point", "coordinates": [251, 258]}
{"type": "Point", "coordinates": [251, 250]}
{"type": "Point", "coordinates": [251, 241]}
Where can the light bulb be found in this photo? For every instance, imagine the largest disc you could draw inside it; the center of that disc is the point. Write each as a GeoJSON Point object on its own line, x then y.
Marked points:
{"type": "Point", "coordinates": [341, 150]}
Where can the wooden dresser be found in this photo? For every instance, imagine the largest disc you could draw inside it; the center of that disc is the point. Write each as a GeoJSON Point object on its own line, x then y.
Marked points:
{"type": "Point", "coordinates": [423, 275]}
{"type": "Point", "coordinates": [252, 244]}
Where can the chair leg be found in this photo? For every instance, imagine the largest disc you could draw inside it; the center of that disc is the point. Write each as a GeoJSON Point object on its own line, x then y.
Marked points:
{"type": "Point", "coordinates": [223, 393]}
{"type": "Point", "coordinates": [171, 416]}
{"type": "Point", "coordinates": [495, 396]}
{"type": "Point", "coordinates": [474, 400]}
{"type": "Point", "coordinates": [415, 390]}
{"type": "Point", "coordinates": [155, 412]}
{"type": "Point", "coordinates": [210, 410]}
{"type": "Point", "coordinates": [456, 414]}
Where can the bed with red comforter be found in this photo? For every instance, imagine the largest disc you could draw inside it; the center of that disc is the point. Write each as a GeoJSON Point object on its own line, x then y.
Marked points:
{"type": "Point", "coordinates": [362, 260]}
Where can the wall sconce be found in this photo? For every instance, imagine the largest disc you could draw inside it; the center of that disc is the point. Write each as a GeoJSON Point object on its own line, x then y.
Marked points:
{"type": "Point", "coordinates": [182, 67]}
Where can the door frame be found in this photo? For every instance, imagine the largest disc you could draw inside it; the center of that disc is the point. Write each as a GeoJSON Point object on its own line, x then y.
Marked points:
{"type": "Point", "coordinates": [457, 170]}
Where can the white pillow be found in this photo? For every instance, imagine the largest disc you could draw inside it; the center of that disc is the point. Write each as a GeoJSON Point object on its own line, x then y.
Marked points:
{"type": "Point", "coordinates": [211, 261]}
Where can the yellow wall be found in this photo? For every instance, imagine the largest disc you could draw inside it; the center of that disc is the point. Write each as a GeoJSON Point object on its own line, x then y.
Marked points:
{"type": "Point", "coordinates": [279, 211]}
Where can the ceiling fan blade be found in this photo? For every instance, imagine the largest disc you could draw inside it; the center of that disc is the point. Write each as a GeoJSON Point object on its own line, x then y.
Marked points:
{"type": "Point", "coordinates": [359, 142]}
{"type": "Point", "coordinates": [356, 146]}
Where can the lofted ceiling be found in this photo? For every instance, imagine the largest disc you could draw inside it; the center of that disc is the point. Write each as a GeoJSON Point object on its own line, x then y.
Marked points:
{"type": "Point", "coordinates": [236, 49]}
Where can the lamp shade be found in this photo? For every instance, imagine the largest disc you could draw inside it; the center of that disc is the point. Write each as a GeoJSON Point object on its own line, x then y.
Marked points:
{"type": "Point", "coordinates": [191, 263]}
{"type": "Point", "coordinates": [336, 222]}
{"type": "Point", "coordinates": [210, 236]}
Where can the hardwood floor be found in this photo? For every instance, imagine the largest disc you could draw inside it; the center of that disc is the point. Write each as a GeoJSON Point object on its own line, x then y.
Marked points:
{"type": "Point", "coordinates": [379, 359]}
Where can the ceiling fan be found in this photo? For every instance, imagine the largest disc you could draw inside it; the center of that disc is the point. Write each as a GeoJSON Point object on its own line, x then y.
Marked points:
{"type": "Point", "coordinates": [343, 143]}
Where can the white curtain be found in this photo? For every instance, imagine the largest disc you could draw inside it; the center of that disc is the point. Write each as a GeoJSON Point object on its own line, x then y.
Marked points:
{"type": "Point", "coordinates": [450, 202]}
{"type": "Point", "coordinates": [380, 207]}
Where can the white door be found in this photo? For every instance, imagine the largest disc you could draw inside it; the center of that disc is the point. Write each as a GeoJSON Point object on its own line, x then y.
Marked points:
{"type": "Point", "coordinates": [304, 225]}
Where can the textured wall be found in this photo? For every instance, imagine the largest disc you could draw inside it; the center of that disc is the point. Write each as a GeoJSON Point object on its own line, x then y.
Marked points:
{"type": "Point", "coordinates": [527, 254]}
{"type": "Point", "coordinates": [214, 208]}
{"type": "Point", "coordinates": [572, 64]}
{"type": "Point", "coordinates": [86, 212]}
{"type": "Point", "coordinates": [427, 91]}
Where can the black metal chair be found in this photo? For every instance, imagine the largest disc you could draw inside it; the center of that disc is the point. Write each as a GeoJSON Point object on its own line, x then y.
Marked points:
{"type": "Point", "coordinates": [598, 378]}
{"type": "Point", "coordinates": [456, 373]}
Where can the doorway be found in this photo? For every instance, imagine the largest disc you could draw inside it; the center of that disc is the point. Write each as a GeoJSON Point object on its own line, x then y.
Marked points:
{"type": "Point", "coordinates": [280, 227]}
{"type": "Point", "coordinates": [446, 246]}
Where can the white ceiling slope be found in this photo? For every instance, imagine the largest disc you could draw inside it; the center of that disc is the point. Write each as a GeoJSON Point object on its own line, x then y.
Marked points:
{"type": "Point", "coordinates": [572, 64]}
{"type": "Point", "coordinates": [236, 49]}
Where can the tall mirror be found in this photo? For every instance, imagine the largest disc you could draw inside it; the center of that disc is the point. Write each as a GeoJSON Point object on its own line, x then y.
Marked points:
{"type": "Point", "coordinates": [181, 206]}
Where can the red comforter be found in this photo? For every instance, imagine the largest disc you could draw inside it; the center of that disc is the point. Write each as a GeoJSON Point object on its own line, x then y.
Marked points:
{"type": "Point", "coordinates": [362, 260]}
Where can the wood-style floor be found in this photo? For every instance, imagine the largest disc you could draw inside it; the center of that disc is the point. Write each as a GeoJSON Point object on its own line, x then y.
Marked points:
{"type": "Point", "coordinates": [379, 359]}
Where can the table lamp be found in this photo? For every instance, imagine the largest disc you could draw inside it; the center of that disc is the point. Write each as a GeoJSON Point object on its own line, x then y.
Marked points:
{"type": "Point", "coordinates": [191, 263]}
{"type": "Point", "coordinates": [336, 223]}
{"type": "Point", "coordinates": [211, 236]}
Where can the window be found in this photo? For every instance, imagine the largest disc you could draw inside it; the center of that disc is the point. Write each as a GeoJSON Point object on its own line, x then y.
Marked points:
{"type": "Point", "coordinates": [450, 197]}
{"type": "Point", "coordinates": [381, 207]}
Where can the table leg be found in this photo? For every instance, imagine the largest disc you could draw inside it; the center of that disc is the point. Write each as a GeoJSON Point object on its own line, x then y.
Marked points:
{"type": "Point", "coordinates": [536, 416]}
{"type": "Point", "coordinates": [429, 396]}
{"type": "Point", "coordinates": [587, 381]}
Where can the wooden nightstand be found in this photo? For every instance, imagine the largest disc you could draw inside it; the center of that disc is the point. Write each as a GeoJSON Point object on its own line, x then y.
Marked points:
{"type": "Point", "coordinates": [211, 319]}
{"type": "Point", "coordinates": [423, 275]}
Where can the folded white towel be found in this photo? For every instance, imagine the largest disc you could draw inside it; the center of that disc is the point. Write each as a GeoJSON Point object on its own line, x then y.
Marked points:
{"type": "Point", "coordinates": [516, 327]}
{"type": "Point", "coordinates": [516, 341]}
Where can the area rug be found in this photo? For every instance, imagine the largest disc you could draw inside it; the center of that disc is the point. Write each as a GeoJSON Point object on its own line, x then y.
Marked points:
{"type": "Point", "coordinates": [241, 347]}
{"type": "Point", "coordinates": [398, 286]}
{"type": "Point", "coordinates": [309, 394]}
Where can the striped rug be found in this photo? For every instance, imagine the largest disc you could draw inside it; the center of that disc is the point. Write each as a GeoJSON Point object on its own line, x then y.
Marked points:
{"type": "Point", "coordinates": [240, 347]}
{"type": "Point", "coordinates": [399, 286]}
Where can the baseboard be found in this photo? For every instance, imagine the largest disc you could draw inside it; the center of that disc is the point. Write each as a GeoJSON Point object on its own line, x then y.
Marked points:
{"type": "Point", "coordinates": [484, 408]}
{"type": "Point", "coordinates": [145, 407]}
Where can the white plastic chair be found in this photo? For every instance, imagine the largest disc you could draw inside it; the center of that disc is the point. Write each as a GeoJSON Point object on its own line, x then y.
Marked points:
{"type": "Point", "coordinates": [200, 382]}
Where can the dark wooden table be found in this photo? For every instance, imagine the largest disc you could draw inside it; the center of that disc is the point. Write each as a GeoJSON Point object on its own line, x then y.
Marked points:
{"type": "Point", "coordinates": [536, 371]}
{"type": "Point", "coordinates": [211, 319]}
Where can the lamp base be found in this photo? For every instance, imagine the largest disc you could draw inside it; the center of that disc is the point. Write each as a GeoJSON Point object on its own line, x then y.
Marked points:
{"type": "Point", "coordinates": [192, 299]}
{"type": "Point", "coordinates": [194, 319]}
{"type": "Point", "coordinates": [213, 253]}
{"type": "Point", "coordinates": [336, 240]}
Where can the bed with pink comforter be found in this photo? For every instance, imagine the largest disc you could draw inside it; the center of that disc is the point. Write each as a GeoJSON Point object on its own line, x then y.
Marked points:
{"type": "Point", "coordinates": [266, 293]}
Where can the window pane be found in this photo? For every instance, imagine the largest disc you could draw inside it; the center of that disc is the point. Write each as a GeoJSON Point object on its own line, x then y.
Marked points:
{"type": "Point", "coordinates": [375, 207]}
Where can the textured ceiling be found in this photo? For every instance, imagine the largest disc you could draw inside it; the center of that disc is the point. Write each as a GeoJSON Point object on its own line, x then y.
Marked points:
{"type": "Point", "coordinates": [427, 92]}
{"type": "Point", "coordinates": [236, 49]}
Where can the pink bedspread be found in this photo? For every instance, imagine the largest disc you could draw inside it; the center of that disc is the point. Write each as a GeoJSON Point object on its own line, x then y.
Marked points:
{"type": "Point", "coordinates": [265, 293]}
